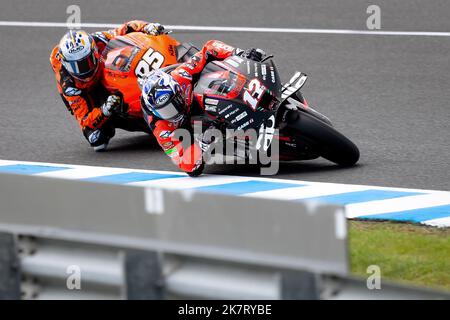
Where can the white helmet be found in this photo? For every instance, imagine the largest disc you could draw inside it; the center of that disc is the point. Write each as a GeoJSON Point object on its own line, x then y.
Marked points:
{"type": "Point", "coordinates": [162, 96]}
{"type": "Point", "coordinates": [79, 54]}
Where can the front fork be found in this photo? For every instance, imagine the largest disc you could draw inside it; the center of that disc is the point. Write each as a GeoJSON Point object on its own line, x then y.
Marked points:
{"type": "Point", "coordinates": [292, 144]}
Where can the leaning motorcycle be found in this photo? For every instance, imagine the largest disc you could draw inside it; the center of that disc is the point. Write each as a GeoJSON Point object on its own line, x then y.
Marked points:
{"type": "Point", "coordinates": [241, 94]}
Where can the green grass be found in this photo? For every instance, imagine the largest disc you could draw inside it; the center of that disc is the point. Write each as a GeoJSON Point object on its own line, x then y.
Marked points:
{"type": "Point", "coordinates": [407, 253]}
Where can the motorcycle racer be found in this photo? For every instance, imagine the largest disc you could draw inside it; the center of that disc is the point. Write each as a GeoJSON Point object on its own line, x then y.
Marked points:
{"type": "Point", "coordinates": [167, 100]}
{"type": "Point", "coordinates": [77, 66]}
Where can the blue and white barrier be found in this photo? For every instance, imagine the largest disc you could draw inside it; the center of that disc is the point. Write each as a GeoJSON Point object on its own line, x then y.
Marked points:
{"type": "Point", "coordinates": [427, 207]}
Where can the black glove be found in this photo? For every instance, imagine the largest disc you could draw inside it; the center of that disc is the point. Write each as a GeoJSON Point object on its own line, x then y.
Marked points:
{"type": "Point", "coordinates": [254, 54]}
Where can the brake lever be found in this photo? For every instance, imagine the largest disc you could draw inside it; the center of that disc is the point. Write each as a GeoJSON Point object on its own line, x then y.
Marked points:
{"type": "Point", "coordinates": [270, 56]}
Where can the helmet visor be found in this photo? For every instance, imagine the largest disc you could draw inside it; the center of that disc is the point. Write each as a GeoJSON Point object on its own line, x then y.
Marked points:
{"type": "Point", "coordinates": [172, 110]}
{"type": "Point", "coordinates": [82, 68]}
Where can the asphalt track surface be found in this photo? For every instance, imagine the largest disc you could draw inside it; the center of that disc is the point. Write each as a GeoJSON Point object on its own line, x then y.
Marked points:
{"type": "Point", "coordinates": [389, 94]}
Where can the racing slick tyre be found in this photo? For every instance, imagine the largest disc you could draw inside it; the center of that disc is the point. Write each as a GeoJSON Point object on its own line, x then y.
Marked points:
{"type": "Point", "coordinates": [329, 143]}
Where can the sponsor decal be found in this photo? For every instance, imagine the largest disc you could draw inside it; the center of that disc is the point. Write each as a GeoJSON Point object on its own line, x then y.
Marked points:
{"type": "Point", "coordinates": [295, 83]}
{"type": "Point", "coordinates": [211, 101]}
{"type": "Point", "coordinates": [167, 145]}
{"type": "Point", "coordinates": [234, 61]}
{"type": "Point", "coordinates": [172, 152]}
{"type": "Point", "coordinates": [264, 71]}
{"type": "Point", "coordinates": [165, 134]}
{"type": "Point", "coordinates": [245, 124]}
{"type": "Point", "coordinates": [171, 50]}
{"type": "Point", "coordinates": [255, 66]}
{"type": "Point", "coordinates": [116, 74]}
{"type": "Point", "coordinates": [272, 74]}
{"type": "Point", "coordinates": [127, 66]}
{"type": "Point", "coordinates": [94, 136]}
{"type": "Point", "coordinates": [210, 108]}
{"type": "Point", "coordinates": [231, 113]}
{"type": "Point", "coordinates": [76, 49]}
{"type": "Point", "coordinates": [266, 132]}
{"type": "Point", "coordinates": [185, 74]}
{"type": "Point", "coordinates": [226, 109]}
{"type": "Point", "coordinates": [162, 99]}
{"type": "Point", "coordinates": [241, 116]}
{"type": "Point", "coordinates": [221, 45]}
{"type": "Point", "coordinates": [71, 91]}
{"type": "Point", "coordinates": [290, 144]}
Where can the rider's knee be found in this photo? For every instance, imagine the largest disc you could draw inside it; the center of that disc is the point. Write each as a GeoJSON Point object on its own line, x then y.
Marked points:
{"type": "Point", "coordinates": [99, 138]}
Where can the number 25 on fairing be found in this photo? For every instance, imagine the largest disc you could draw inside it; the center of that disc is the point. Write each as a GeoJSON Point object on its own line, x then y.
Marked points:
{"type": "Point", "coordinates": [151, 60]}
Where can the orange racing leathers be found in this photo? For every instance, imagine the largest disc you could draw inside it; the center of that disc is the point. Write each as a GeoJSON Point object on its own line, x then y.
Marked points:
{"type": "Point", "coordinates": [190, 158]}
{"type": "Point", "coordinates": [83, 99]}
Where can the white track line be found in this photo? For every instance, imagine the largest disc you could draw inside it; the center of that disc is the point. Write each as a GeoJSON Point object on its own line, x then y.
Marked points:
{"type": "Point", "coordinates": [7, 162]}
{"type": "Point", "coordinates": [397, 204]}
{"type": "Point", "coordinates": [441, 222]}
{"type": "Point", "coordinates": [233, 29]}
{"type": "Point", "coordinates": [324, 185]}
{"type": "Point", "coordinates": [188, 182]}
{"type": "Point", "coordinates": [82, 173]}
{"type": "Point", "coordinates": [306, 191]}
{"type": "Point", "coordinates": [310, 189]}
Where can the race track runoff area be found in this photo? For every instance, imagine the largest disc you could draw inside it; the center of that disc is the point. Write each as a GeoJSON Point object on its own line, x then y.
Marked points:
{"type": "Point", "coordinates": [428, 207]}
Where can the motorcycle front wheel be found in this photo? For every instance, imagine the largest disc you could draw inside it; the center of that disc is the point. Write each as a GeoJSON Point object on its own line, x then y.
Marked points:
{"type": "Point", "coordinates": [327, 141]}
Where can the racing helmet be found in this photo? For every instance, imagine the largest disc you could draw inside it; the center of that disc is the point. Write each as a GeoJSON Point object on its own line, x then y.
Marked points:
{"type": "Point", "coordinates": [162, 95]}
{"type": "Point", "coordinates": [79, 54]}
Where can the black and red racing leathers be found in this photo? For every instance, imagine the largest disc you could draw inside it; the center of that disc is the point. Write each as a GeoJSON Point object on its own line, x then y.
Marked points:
{"type": "Point", "coordinates": [190, 158]}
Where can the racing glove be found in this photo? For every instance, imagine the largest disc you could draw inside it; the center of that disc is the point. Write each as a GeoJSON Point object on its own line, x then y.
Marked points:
{"type": "Point", "coordinates": [254, 54]}
{"type": "Point", "coordinates": [112, 105]}
{"type": "Point", "coordinates": [154, 29]}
